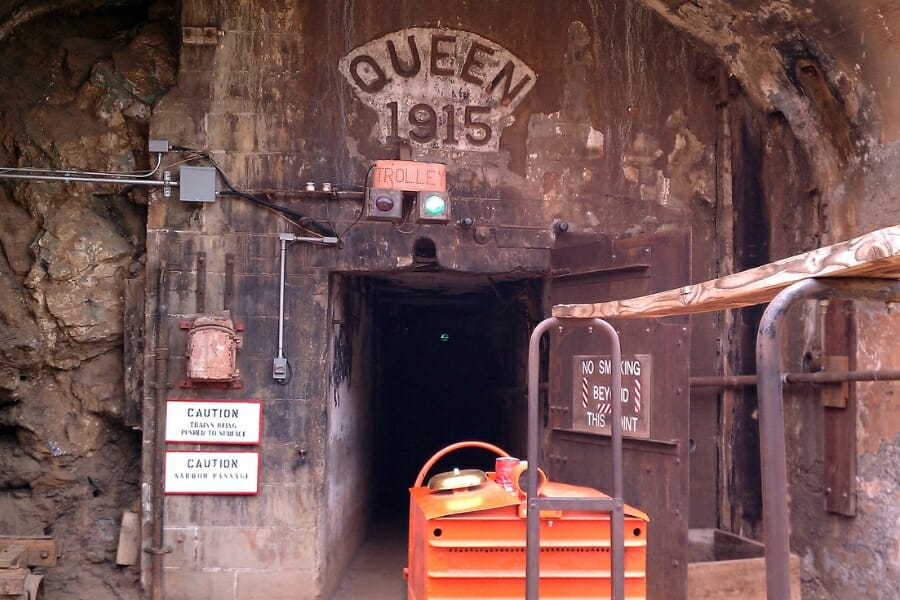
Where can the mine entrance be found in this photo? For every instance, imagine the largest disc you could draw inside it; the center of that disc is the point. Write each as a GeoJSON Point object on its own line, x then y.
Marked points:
{"type": "Point", "coordinates": [450, 367]}
{"type": "Point", "coordinates": [447, 363]}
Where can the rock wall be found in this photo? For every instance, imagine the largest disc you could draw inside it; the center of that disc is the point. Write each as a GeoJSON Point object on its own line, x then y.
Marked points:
{"type": "Point", "coordinates": [84, 88]}
{"type": "Point", "coordinates": [826, 70]}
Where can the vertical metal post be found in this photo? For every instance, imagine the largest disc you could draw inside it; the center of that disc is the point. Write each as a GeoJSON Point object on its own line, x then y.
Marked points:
{"type": "Point", "coordinates": [161, 387]}
{"type": "Point", "coordinates": [771, 414]}
{"type": "Point", "coordinates": [617, 518]}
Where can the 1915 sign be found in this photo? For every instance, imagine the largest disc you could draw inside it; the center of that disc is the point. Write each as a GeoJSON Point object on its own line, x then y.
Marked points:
{"type": "Point", "coordinates": [439, 88]}
{"type": "Point", "coordinates": [592, 399]}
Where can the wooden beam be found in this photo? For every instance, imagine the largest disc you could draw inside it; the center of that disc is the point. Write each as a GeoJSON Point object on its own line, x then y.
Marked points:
{"type": "Point", "coordinates": [40, 551]}
{"type": "Point", "coordinates": [736, 579]}
{"type": "Point", "coordinates": [875, 254]}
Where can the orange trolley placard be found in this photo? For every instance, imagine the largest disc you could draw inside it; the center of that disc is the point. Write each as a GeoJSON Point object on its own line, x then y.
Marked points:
{"type": "Point", "coordinates": [409, 176]}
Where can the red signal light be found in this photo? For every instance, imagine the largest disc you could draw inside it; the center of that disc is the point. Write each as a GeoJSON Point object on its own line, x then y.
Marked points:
{"type": "Point", "coordinates": [384, 203]}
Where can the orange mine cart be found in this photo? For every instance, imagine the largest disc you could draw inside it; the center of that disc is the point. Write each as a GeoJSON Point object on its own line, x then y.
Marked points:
{"type": "Point", "coordinates": [467, 533]}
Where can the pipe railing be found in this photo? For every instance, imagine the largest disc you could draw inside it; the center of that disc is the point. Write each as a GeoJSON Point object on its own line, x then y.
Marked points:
{"type": "Point", "coordinates": [773, 455]}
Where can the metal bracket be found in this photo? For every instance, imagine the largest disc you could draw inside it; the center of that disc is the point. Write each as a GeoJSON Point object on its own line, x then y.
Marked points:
{"type": "Point", "coordinates": [836, 395]}
{"type": "Point", "coordinates": [201, 36]}
{"type": "Point", "coordinates": [188, 384]}
{"type": "Point", "coordinates": [39, 551]}
{"type": "Point", "coordinates": [167, 184]}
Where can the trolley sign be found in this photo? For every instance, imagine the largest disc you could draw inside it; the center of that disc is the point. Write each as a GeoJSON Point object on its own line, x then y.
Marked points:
{"type": "Point", "coordinates": [592, 395]}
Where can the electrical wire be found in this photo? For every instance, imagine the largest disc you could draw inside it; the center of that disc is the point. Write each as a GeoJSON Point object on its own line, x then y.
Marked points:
{"type": "Point", "coordinates": [362, 209]}
{"type": "Point", "coordinates": [399, 226]}
{"type": "Point", "coordinates": [304, 222]}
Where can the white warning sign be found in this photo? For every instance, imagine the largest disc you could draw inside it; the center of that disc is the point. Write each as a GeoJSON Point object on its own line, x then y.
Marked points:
{"type": "Point", "coordinates": [593, 395]}
{"type": "Point", "coordinates": [213, 472]}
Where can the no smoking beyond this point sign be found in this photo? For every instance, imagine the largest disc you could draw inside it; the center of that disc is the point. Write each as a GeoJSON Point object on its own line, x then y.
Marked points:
{"type": "Point", "coordinates": [592, 395]}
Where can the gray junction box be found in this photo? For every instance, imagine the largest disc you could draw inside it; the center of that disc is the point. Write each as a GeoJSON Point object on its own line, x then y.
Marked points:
{"type": "Point", "coordinates": [198, 184]}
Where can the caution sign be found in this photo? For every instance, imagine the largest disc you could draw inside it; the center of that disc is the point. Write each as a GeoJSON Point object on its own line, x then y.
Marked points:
{"type": "Point", "coordinates": [213, 472]}
{"type": "Point", "coordinates": [214, 421]}
{"type": "Point", "coordinates": [593, 397]}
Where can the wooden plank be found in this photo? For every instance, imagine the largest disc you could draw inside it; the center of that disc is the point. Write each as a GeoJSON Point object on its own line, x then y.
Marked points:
{"type": "Point", "coordinates": [743, 579]}
{"type": "Point", "coordinates": [875, 254]}
{"type": "Point", "coordinates": [839, 422]}
{"type": "Point", "coordinates": [129, 550]}
{"type": "Point", "coordinates": [40, 551]}
{"type": "Point", "coordinates": [12, 582]}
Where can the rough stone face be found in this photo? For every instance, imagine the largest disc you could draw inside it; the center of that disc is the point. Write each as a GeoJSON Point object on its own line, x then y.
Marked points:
{"type": "Point", "coordinates": [85, 89]}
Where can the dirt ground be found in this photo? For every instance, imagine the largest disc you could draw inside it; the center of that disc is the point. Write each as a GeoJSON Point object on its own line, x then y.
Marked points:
{"type": "Point", "coordinates": [377, 570]}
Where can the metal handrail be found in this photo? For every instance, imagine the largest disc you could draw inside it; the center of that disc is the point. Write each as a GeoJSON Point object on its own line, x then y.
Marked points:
{"type": "Point", "coordinates": [813, 378]}
{"type": "Point", "coordinates": [773, 457]}
{"type": "Point", "coordinates": [615, 505]}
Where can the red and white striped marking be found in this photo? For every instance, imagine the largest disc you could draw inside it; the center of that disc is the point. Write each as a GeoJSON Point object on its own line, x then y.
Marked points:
{"type": "Point", "coordinates": [637, 395]}
{"type": "Point", "coordinates": [584, 392]}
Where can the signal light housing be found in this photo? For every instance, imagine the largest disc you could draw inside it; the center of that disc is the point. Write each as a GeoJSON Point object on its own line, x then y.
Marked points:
{"type": "Point", "coordinates": [434, 207]}
{"type": "Point", "coordinates": [384, 205]}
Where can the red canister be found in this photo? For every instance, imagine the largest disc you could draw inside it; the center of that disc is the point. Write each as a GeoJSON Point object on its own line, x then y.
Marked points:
{"type": "Point", "coordinates": [504, 472]}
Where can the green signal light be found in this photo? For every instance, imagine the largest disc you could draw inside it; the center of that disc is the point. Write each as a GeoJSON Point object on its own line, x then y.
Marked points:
{"type": "Point", "coordinates": [445, 337]}
{"type": "Point", "coordinates": [435, 206]}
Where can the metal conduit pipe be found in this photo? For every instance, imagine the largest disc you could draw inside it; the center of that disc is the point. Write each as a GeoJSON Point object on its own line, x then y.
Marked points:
{"type": "Point", "coordinates": [771, 415]}
{"type": "Point", "coordinates": [817, 377]}
{"type": "Point", "coordinates": [285, 238]}
{"type": "Point", "coordinates": [73, 179]}
{"type": "Point", "coordinates": [161, 385]}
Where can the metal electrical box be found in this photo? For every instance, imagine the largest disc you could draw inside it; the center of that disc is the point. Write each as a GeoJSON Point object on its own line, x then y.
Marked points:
{"type": "Point", "coordinates": [197, 184]}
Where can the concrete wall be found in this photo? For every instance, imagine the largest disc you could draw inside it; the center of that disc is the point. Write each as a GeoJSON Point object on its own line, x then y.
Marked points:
{"type": "Point", "coordinates": [348, 484]}
{"type": "Point", "coordinates": [233, 546]}
{"type": "Point", "coordinates": [599, 142]}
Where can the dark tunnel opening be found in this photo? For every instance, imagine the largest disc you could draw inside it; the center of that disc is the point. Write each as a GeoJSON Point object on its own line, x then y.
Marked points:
{"type": "Point", "coordinates": [449, 367]}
